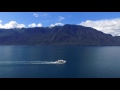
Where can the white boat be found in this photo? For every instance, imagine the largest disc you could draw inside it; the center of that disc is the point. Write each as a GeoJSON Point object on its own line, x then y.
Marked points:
{"type": "Point", "coordinates": [60, 61]}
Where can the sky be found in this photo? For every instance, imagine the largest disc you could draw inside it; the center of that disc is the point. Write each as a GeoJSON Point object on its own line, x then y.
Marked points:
{"type": "Point", "coordinates": [107, 22]}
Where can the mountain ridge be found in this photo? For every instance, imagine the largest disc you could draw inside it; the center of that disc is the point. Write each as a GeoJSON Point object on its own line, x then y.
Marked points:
{"type": "Point", "coordinates": [58, 35]}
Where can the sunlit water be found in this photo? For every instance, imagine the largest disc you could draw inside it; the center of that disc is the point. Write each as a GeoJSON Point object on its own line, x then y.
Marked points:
{"type": "Point", "coordinates": [82, 62]}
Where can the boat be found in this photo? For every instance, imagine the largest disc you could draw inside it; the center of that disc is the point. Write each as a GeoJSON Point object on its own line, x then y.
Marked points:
{"type": "Point", "coordinates": [60, 61]}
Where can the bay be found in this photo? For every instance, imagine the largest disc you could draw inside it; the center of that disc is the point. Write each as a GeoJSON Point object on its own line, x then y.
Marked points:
{"type": "Point", "coordinates": [82, 61]}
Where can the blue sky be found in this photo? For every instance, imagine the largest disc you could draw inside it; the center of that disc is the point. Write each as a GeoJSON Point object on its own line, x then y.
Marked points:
{"type": "Point", "coordinates": [107, 22]}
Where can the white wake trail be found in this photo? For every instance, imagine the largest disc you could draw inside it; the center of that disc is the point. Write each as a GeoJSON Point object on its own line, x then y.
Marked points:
{"type": "Point", "coordinates": [28, 62]}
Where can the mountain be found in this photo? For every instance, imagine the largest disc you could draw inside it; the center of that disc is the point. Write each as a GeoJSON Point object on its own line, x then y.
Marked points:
{"type": "Point", "coordinates": [58, 35]}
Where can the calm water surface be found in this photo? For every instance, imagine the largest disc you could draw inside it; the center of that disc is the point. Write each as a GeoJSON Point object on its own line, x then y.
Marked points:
{"type": "Point", "coordinates": [82, 61]}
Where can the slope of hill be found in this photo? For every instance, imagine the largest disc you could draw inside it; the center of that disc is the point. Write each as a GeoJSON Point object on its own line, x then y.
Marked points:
{"type": "Point", "coordinates": [58, 35]}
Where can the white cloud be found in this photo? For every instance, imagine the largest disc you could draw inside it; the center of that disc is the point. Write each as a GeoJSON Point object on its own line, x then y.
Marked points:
{"type": "Point", "coordinates": [109, 26]}
{"type": "Point", "coordinates": [39, 25]}
{"type": "Point", "coordinates": [56, 24]}
{"type": "Point", "coordinates": [11, 24]}
{"type": "Point", "coordinates": [35, 25]}
{"type": "Point", "coordinates": [61, 18]}
{"type": "Point", "coordinates": [0, 21]}
{"type": "Point", "coordinates": [45, 15]}
{"type": "Point", "coordinates": [32, 25]}
{"type": "Point", "coordinates": [35, 14]}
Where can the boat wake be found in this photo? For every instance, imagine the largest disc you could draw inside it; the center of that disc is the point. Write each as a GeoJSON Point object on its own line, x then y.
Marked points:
{"type": "Point", "coordinates": [30, 62]}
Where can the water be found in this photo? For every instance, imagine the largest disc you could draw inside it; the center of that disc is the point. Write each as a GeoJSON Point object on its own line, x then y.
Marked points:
{"type": "Point", "coordinates": [82, 62]}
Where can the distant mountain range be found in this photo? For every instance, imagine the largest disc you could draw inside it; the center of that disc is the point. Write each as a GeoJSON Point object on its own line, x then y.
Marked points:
{"type": "Point", "coordinates": [58, 35]}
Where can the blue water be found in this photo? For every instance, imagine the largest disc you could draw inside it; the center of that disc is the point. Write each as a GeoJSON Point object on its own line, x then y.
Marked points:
{"type": "Point", "coordinates": [82, 61]}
